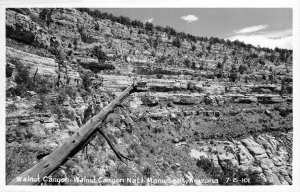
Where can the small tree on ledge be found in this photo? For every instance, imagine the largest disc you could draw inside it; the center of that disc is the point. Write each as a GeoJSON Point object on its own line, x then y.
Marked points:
{"type": "Point", "coordinates": [101, 55]}
{"type": "Point", "coordinates": [176, 42]}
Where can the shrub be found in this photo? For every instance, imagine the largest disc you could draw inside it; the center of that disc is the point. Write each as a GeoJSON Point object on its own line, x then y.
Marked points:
{"type": "Point", "coordinates": [22, 76]}
{"type": "Point", "coordinates": [261, 61]}
{"type": "Point", "coordinates": [41, 86]}
{"type": "Point", "coordinates": [101, 56]}
{"type": "Point", "coordinates": [69, 114]}
{"type": "Point", "coordinates": [233, 76]}
{"type": "Point", "coordinates": [9, 70]}
{"type": "Point", "coordinates": [41, 105]}
{"type": "Point", "coordinates": [147, 172]}
{"type": "Point", "coordinates": [192, 86]}
{"type": "Point", "coordinates": [254, 55]}
{"type": "Point", "coordinates": [159, 76]}
{"type": "Point", "coordinates": [61, 97]}
{"type": "Point", "coordinates": [187, 63]}
{"type": "Point", "coordinates": [86, 80]}
{"type": "Point", "coordinates": [59, 57]}
{"type": "Point", "coordinates": [200, 54]}
{"type": "Point", "coordinates": [176, 42]}
{"type": "Point", "coordinates": [37, 20]}
{"type": "Point", "coordinates": [242, 69]}
{"type": "Point", "coordinates": [26, 83]}
{"type": "Point", "coordinates": [140, 31]}
{"type": "Point", "coordinates": [97, 27]}
{"type": "Point", "coordinates": [215, 172]}
{"type": "Point", "coordinates": [122, 172]}
{"type": "Point", "coordinates": [201, 66]}
{"type": "Point", "coordinates": [71, 91]}
{"type": "Point", "coordinates": [157, 41]}
{"type": "Point", "coordinates": [18, 159]}
{"type": "Point", "coordinates": [205, 164]}
{"type": "Point", "coordinates": [208, 48]}
{"type": "Point", "coordinates": [19, 90]}
{"type": "Point", "coordinates": [107, 174]}
{"type": "Point", "coordinates": [193, 47]}
{"type": "Point", "coordinates": [149, 27]}
{"type": "Point", "coordinates": [157, 130]}
{"type": "Point", "coordinates": [220, 74]}
{"type": "Point", "coordinates": [136, 23]}
{"type": "Point", "coordinates": [255, 178]}
{"type": "Point", "coordinates": [75, 42]}
{"type": "Point", "coordinates": [45, 15]}
{"type": "Point", "coordinates": [220, 65]}
{"type": "Point", "coordinates": [229, 171]}
{"type": "Point", "coordinates": [136, 148]}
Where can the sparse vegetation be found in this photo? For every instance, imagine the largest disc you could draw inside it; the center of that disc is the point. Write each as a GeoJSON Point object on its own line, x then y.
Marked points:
{"type": "Point", "coordinates": [191, 86]}
{"type": "Point", "coordinates": [176, 42]}
{"type": "Point", "coordinates": [147, 172]}
{"type": "Point", "coordinates": [26, 83]}
{"type": "Point", "coordinates": [45, 15]}
{"type": "Point", "coordinates": [86, 80]}
{"type": "Point", "coordinates": [228, 172]}
{"type": "Point", "coordinates": [101, 55]}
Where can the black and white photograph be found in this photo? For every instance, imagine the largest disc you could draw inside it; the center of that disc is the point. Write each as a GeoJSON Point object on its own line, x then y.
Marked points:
{"type": "Point", "coordinates": [148, 96]}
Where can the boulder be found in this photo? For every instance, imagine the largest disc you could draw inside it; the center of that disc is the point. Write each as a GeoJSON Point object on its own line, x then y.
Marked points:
{"type": "Point", "coordinates": [197, 155]}
{"type": "Point", "coordinates": [10, 84]}
{"type": "Point", "coordinates": [219, 100]}
{"type": "Point", "coordinates": [66, 101]}
{"type": "Point", "coordinates": [135, 103]}
{"type": "Point", "coordinates": [31, 93]}
{"type": "Point", "coordinates": [227, 157]}
{"type": "Point", "coordinates": [208, 99]}
{"type": "Point", "coordinates": [51, 126]}
{"type": "Point", "coordinates": [268, 112]}
{"type": "Point", "coordinates": [256, 169]}
{"type": "Point", "coordinates": [285, 175]}
{"type": "Point", "coordinates": [173, 116]}
{"type": "Point", "coordinates": [150, 100]}
{"type": "Point", "coordinates": [271, 177]}
{"type": "Point", "coordinates": [128, 121]}
{"type": "Point", "coordinates": [159, 114]}
{"type": "Point", "coordinates": [253, 147]}
{"type": "Point", "coordinates": [245, 157]}
{"type": "Point", "coordinates": [37, 129]}
{"type": "Point", "coordinates": [72, 126]}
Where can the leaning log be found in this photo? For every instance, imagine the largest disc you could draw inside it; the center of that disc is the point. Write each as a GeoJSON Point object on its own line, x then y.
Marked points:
{"type": "Point", "coordinates": [70, 147]}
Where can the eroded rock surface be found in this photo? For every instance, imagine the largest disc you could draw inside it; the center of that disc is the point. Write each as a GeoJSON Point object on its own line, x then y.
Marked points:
{"type": "Point", "coordinates": [265, 154]}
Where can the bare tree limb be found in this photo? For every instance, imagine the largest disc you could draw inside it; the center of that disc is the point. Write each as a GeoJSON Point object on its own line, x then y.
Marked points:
{"type": "Point", "coordinates": [71, 146]}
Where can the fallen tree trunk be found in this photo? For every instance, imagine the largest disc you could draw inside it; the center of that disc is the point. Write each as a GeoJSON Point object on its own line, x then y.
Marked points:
{"type": "Point", "coordinates": [70, 147]}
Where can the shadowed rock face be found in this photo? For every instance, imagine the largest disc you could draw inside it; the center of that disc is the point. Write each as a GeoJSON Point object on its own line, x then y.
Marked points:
{"type": "Point", "coordinates": [97, 67]}
{"type": "Point", "coordinates": [22, 28]}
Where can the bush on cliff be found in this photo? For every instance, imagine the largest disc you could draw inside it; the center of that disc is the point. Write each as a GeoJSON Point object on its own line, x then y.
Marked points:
{"type": "Point", "coordinates": [101, 55]}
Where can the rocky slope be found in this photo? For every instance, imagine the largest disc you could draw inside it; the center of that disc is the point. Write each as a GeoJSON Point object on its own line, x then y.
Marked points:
{"type": "Point", "coordinates": [199, 110]}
